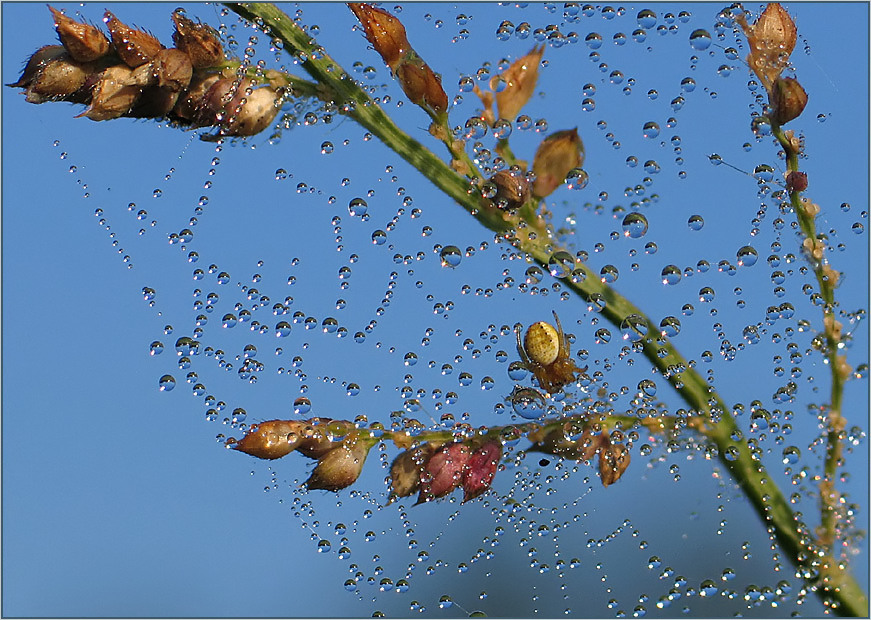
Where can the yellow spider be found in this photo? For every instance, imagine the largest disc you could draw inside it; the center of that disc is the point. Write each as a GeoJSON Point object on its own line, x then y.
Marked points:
{"type": "Point", "coordinates": [545, 353]}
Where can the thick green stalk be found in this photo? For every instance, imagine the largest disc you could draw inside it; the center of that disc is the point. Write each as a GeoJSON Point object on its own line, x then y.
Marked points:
{"type": "Point", "coordinates": [531, 235]}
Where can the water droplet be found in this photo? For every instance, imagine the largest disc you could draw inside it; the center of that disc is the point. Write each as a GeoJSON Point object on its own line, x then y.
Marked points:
{"type": "Point", "coordinates": [670, 326]}
{"type": "Point", "coordinates": [302, 405]}
{"type": "Point", "coordinates": [706, 294]}
{"type": "Point", "coordinates": [650, 130]}
{"type": "Point", "coordinates": [156, 348]}
{"type": "Point", "coordinates": [647, 387]}
{"type": "Point", "coordinates": [635, 225]}
{"type": "Point", "coordinates": [166, 383]}
{"type": "Point", "coordinates": [528, 403]}
{"type": "Point", "coordinates": [700, 40]}
{"type": "Point", "coordinates": [633, 328]}
{"type": "Point", "coordinates": [229, 321]}
{"type": "Point", "coordinates": [791, 455]}
{"type": "Point", "coordinates": [358, 207]}
{"type": "Point", "coordinates": [646, 18]}
{"type": "Point", "coordinates": [561, 264]}
{"type": "Point", "coordinates": [327, 148]}
{"type": "Point", "coordinates": [671, 274]}
{"type": "Point", "coordinates": [450, 256]}
{"type": "Point", "coordinates": [708, 588]}
{"type": "Point", "coordinates": [747, 256]}
{"type": "Point", "coordinates": [696, 222]}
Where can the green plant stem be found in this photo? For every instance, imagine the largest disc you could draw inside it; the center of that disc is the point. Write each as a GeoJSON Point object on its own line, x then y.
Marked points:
{"type": "Point", "coordinates": [531, 236]}
{"type": "Point", "coordinates": [835, 422]}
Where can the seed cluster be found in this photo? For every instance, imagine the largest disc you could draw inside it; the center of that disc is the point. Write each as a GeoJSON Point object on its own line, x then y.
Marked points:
{"type": "Point", "coordinates": [131, 74]}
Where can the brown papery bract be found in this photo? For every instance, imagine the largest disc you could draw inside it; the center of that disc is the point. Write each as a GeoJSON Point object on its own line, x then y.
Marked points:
{"type": "Point", "coordinates": [520, 80]}
{"type": "Point", "coordinates": [134, 47]}
{"type": "Point", "coordinates": [199, 41]}
{"type": "Point", "coordinates": [84, 42]}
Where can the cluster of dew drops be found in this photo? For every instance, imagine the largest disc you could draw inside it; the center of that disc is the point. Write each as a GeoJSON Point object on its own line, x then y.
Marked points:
{"type": "Point", "coordinates": [247, 312]}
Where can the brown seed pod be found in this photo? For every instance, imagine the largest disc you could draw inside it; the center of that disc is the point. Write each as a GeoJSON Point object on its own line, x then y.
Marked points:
{"type": "Point", "coordinates": [57, 78]}
{"type": "Point", "coordinates": [84, 42]}
{"type": "Point", "coordinates": [341, 466]}
{"type": "Point", "coordinates": [613, 461]}
{"type": "Point", "coordinates": [556, 156]}
{"type": "Point", "coordinates": [39, 59]}
{"type": "Point", "coordinates": [272, 439]}
{"type": "Point", "coordinates": [406, 469]}
{"type": "Point", "coordinates": [173, 69]}
{"type": "Point", "coordinates": [192, 102]}
{"type": "Point", "coordinates": [512, 189]}
{"type": "Point", "coordinates": [199, 41]}
{"type": "Point", "coordinates": [135, 47]}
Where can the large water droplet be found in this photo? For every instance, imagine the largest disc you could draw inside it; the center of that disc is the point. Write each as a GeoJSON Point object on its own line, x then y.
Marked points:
{"type": "Point", "coordinates": [700, 40]}
{"type": "Point", "coordinates": [634, 225]}
{"type": "Point", "coordinates": [451, 256]}
{"type": "Point", "coordinates": [166, 383]}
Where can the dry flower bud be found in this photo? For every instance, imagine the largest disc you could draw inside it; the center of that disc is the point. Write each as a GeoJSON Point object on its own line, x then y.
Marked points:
{"type": "Point", "coordinates": [512, 189]}
{"type": "Point", "coordinates": [422, 86]}
{"type": "Point", "coordinates": [520, 79]}
{"type": "Point", "coordinates": [771, 39]}
{"type": "Point", "coordinates": [796, 181]}
{"type": "Point", "coordinates": [613, 461]}
{"type": "Point", "coordinates": [199, 41]}
{"type": "Point", "coordinates": [114, 94]}
{"type": "Point", "coordinates": [788, 99]}
{"type": "Point", "coordinates": [383, 31]}
{"type": "Point", "coordinates": [480, 469]}
{"type": "Point", "coordinates": [556, 156]}
{"type": "Point", "coordinates": [84, 42]}
{"type": "Point", "coordinates": [557, 442]}
{"type": "Point", "coordinates": [272, 439]}
{"type": "Point", "coordinates": [341, 466]}
{"type": "Point", "coordinates": [135, 47]}
{"type": "Point", "coordinates": [831, 276]}
{"type": "Point", "coordinates": [406, 469]}
{"type": "Point", "coordinates": [443, 472]}
{"type": "Point", "coordinates": [833, 327]}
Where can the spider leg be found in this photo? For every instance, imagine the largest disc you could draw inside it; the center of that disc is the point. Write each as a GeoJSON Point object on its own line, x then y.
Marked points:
{"type": "Point", "coordinates": [521, 350]}
{"type": "Point", "coordinates": [563, 341]}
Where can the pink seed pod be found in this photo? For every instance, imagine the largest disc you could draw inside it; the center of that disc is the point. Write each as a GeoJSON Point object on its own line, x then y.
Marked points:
{"type": "Point", "coordinates": [796, 181]}
{"type": "Point", "coordinates": [480, 469]}
{"type": "Point", "coordinates": [443, 472]}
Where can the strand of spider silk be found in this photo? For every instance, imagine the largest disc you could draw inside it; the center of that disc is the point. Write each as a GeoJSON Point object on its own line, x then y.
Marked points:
{"type": "Point", "coordinates": [829, 496]}
{"type": "Point", "coordinates": [532, 237]}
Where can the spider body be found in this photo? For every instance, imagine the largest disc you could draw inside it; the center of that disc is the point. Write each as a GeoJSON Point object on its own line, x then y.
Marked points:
{"type": "Point", "coordinates": [545, 353]}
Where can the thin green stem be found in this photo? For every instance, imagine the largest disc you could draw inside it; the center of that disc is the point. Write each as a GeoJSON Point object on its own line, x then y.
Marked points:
{"type": "Point", "coordinates": [827, 279]}
{"type": "Point", "coordinates": [529, 234]}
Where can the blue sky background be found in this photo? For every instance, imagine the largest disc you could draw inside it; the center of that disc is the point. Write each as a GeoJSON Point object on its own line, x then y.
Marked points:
{"type": "Point", "coordinates": [119, 501]}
